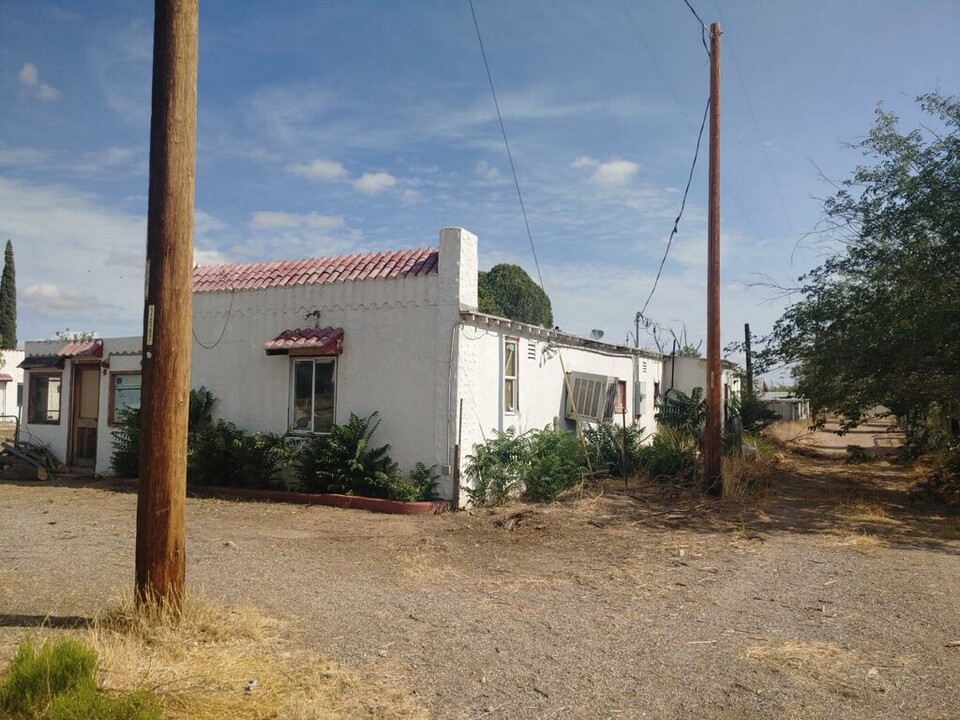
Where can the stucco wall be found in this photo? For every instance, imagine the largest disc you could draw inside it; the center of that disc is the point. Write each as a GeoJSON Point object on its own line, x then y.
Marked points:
{"type": "Point", "coordinates": [11, 358]}
{"type": "Point", "coordinates": [122, 355]}
{"type": "Point", "coordinates": [542, 358]}
{"type": "Point", "coordinates": [395, 359]}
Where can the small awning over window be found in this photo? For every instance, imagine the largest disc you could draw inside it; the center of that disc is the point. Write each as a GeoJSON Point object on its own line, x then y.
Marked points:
{"type": "Point", "coordinates": [32, 362]}
{"type": "Point", "coordinates": [4, 378]}
{"type": "Point", "coordinates": [307, 341]}
{"type": "Point", "coordinates": [82, 348]}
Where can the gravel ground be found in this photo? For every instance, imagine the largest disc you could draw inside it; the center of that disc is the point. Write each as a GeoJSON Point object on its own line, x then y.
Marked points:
{"type": "Point", "coordinates": [832, 597]}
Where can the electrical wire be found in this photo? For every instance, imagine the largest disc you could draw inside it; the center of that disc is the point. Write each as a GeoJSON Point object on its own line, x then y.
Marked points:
{"type": "Point", "coordinates": [222, 331]}
{"type": "Point", "coordinates": [506, 144]}
{"type": "Point", "coordinates": [756, 127]}
{"type": "Point", "coordinates": [731, 192]}
{"type": "Point", "coordinates": [683, 204]}
{"type": "Point", "coordinates": [703, 27]}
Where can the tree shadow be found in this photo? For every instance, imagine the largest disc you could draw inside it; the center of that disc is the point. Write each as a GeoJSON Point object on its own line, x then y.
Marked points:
{"type": "Point", "coordinates": [864, 506]}
{"type": "Point", "coordinates": [57, 622]}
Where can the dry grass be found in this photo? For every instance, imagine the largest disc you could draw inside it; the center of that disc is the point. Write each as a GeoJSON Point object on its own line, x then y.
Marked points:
{"type": "Point", "coordinates": [813, 661]}
{"type": "Point", "coordinates": [862, 541]}
{"type": "Point", "coordinates": [789, 431]}
{"type": "Point", "coordinates": [746, 481]}
{"type": "Point", "coordinates": [200, 662]}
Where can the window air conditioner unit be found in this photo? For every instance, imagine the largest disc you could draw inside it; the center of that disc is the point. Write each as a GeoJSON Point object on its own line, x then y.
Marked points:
{"type": "Point", "coordinates": [639, 395]}
{"type": "Point", "coordinates": [590, 397]}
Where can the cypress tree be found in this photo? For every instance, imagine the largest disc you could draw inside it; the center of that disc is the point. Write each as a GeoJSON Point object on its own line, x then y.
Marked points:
{"type": "Point", "coordinates": [8, 301]}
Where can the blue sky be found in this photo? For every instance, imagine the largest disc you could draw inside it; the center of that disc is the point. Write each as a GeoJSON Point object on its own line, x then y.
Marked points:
{"type": "Point", "coordinates": [338, 126]}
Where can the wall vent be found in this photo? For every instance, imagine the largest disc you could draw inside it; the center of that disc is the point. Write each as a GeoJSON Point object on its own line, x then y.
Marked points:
{"type": "Point", "coordinates": [531, 349]}
{"type": "Point", "coordinates": [594, 396]}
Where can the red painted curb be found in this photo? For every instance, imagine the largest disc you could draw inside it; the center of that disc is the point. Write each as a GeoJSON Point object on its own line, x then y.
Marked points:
{"type": "Point", "coordinates": [347, 502]}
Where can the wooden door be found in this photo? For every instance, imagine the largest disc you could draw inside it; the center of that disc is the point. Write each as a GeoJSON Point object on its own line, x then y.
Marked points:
{"type": "Point", "coordinates": [83, 423]}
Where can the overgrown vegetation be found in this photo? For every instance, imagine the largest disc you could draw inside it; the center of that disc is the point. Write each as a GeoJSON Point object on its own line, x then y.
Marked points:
{"type": "Point", "coordinates": [876, 323]}
{"type": "Point", "coordinates": [220, 454]}
{"type": "Point", "coordinates": [346, 460]}
{"type": "Point", "coordinates": [943, 485]}
{"type": "Point", "coordinates": [537, 465]}
{"type": "Point", "coordinates": [615, 449]}
{"type": "Point", "coordinates": [56, 680]}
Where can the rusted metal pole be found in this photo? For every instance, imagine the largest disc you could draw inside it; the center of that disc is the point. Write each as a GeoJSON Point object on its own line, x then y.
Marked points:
{"type": "Point", "coordinates": [712, 475]}
{"type": "Point", "coordinates": [160, 549]}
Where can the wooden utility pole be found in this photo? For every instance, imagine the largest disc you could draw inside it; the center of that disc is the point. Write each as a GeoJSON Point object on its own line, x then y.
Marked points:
{"type": "Point", "coordinates": [712, 439]}
{"type": "Point", "coordinates": [165, 392]}
{"type": "Point", "coordinates": [746, 347]}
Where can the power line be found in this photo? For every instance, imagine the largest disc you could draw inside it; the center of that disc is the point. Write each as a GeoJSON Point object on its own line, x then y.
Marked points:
{"type": "Point", "coordinates": [703, 27]}
{"type": "Point", "coordinates": [683, 204]}
{"type": "Point", "coordinates": [506, 144]}
{"type": "Point", "coordinates": [756, 127]}
{"type": "Point", "coordinates": [666, 83]}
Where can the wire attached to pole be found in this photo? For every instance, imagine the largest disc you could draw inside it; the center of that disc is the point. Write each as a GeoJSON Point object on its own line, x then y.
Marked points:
{"type": "Point", "coordinates": [506, 144]}
{"type": "Point", "coordinates": [683, 204]}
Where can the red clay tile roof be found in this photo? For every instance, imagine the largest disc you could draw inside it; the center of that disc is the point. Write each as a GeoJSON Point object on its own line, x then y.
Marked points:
{"type": "Point", "coordinates": [328, 339]}
{"type": "Point", "coordinates": [283, 273]}
{"type": "Point", "coordinates": [81, 348]}
{"type": "Point", "coordinates": [4, 378]}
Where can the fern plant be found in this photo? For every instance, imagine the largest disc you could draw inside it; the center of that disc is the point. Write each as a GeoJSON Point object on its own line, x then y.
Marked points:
{"type": "Point", "coordinates": [347, 461]}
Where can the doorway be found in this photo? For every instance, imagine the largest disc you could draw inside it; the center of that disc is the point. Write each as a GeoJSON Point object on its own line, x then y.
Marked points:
{"type": "Point", "coordinates": [83, 420]}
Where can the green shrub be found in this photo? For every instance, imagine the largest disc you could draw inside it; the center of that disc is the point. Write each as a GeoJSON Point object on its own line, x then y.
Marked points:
{"type": "Point", "coordinates": [856, 455]}
{"type": "Point", "coordinates": [38, 673]}
{"type": "Point", "coordinates": [88, 704]}
{"type": "Point", "coordinates": [495, 468]}
{"type": "Point", "coordinates": [221, 454]}
{"type": "Point", "coordinates": [754, 414]}
{"type": "Point", "coordinates": [346, 461]}
{"type": "Point", "coordinates": [608, 445]}
{"type": "Point", "coordinates": [671, 457]}
{"type": "Point", "coordinates": [218, 452]}
{"type": "Point", "coordinates": [555, 462]}
{"type": "Point", "coordinates": [419, 485]}
{"type": "Point", "coordinates": [538, 465]}
{"type": "Point", "coordinates": [943, 485]}
{"type": "Point", "coordinates": [686, 413]}
{"type": "Point", "coordinates": [125, 460]}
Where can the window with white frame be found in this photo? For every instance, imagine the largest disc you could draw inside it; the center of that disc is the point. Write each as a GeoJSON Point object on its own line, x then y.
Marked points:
{"type": "Point", "coordinates": [124, 393]}
{"type": "Point", "coordinates": [44, 399]}
{"type": "Point", "coordinates": [313, 395]}
{"type": "Point", "coordinates": [510, 384]}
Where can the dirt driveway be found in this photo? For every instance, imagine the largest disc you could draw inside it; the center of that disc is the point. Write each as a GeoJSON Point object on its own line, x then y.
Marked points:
{"type": "Point", "coordinates": [836, 598]}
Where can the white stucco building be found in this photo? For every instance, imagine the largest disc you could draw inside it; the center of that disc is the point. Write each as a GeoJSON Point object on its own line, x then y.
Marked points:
{"type": "Point", "coordinates": [296, 346]}
{"type": "Point", "coordinates": [73, 391]}
{"type": "Point", "coordinates": [11, 383]}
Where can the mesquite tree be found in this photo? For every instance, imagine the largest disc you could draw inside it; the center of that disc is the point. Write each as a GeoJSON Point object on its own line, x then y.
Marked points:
{"type": "Point", "coordinates": [879, 321]}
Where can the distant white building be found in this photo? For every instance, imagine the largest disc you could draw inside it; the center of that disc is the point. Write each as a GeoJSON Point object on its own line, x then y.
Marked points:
{"type": "Point", "coordinates": [786, 405]}
{"type": "Point", "coordinates": [297, 346]}
{"type": "Point", "coordinates": [11, 391]}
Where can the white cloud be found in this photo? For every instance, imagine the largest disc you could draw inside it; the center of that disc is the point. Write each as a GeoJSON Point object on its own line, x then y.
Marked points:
{"type": "Point", "coordinates": [614, 173]}
{"type": "Point", "coordinates": [487, 171]}
{"type": "Point", "coordinates": [79, 261]}
{"type": "Point", "coordinates": [209, 257]}
{"type": "Point", "coordinates": [22, 156]}
{"type": "Point", "coordinates": [374, 182]}
{"type": "Point", "coordinates": [265, 220]}
{"type": "Point", "coordinates": [319, 169]}
{"type": "Point", "coordinates": [29, 77]}
{"type": "Point", "coordinates": [410, 195]}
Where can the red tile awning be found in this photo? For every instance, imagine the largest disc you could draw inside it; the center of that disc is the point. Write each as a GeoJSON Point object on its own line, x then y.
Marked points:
{"type": "Point", "coordinates": [4, 378]}
{"type": "Point", "coordinates": [319, 341]}
{"type": "Point", "coordinates": [82, 348]}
